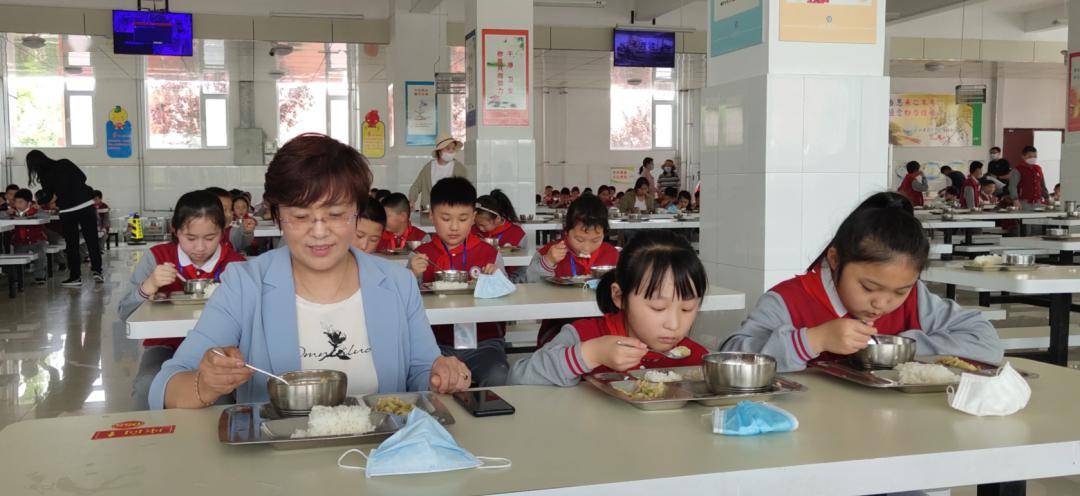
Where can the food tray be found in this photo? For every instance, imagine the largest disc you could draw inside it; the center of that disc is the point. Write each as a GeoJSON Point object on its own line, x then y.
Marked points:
{"type": "Point", "coordinates": [1019, 268]}
{"type": "Point", "coordinates": [982, 268]}
{"type": "Point", "coordinates": [511, 250]}
{"type": "Point", "coordinates": [1001, 267]}
{"type": "Point", "coordinates": [261, 423]}
{"type": "Point", "coordinates": [692, 388]}
{"type": "Point", "coordinates": [427, 288]}
{"type": "Point", "coordinates": [394, 251]}
{"type": "Point", "coordinates": [569, 281]}
{"type": "Point", "coordinates": [889, 378]}
{"type": "Point", "coordinates": [181, 298]}
{"type": "Point", "coordinates": [1070, 237]}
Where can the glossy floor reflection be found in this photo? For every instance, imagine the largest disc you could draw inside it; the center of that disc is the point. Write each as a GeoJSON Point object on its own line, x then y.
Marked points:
{"type": "Point", "coordinates": [63, 351]}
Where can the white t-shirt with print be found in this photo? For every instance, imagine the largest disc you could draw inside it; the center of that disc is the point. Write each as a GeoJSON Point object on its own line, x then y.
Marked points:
{"type": "Point", "coordinates": [441, 171]}
{"type": "Point", "coordinates": [334, 336]}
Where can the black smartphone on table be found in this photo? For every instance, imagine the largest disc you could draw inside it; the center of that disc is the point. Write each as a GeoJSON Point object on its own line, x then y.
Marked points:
{"type": "Point", "coordinates": [483, 403]}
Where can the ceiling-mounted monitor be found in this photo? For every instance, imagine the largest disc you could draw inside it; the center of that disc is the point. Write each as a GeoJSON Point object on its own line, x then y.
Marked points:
{"type": "Point", "coordinates": [644, 48]}
{"type": "Point", "coordinates": [140, 32]}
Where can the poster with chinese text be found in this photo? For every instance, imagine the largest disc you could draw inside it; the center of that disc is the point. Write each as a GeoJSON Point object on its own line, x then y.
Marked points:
{"type": "Point", "coordinates": [505, 80]}
{"type": "Point", "coordinates": [918, 119]}
{"type": "Point", "coordinates": [421, 113]}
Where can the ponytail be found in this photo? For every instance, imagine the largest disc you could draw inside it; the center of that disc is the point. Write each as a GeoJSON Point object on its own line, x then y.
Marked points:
{"type": "Point", "coordinates": [506, 207]}
{"type": "Point", "coordinates": [880, 229]}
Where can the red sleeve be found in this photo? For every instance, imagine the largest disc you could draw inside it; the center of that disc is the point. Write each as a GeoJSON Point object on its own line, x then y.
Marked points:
{"type": "Point", "coordinates": [609, 256]}
{"type": "Point", "coordinates": [514, 235]}
{"type": "Point", "coordinates": [416, 234]}
{"type": "Point", "coordinates": [429, 250]}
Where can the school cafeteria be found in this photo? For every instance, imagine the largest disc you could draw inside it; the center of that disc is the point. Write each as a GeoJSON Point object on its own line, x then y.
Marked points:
{"type": "Point", "coordinates": [543, 247]}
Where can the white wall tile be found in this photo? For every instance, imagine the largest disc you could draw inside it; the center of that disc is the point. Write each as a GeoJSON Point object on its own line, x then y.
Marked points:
{"type": "Point", "coordinates": [827, 200]}
{"type": "Point", "coordinates": [755, 115]}
{"type": "Point", "coordinates": [872, 183]}
{"type": "Point", "coordinates": [709, 246]}
{"type": "Point", "coordinates": [783, 223]}
{"type": "Point", "coordinates": [831, 119]}
{"type": "Point", "coordinates": [874, 125]}
{"type": "Point", "coordinates": [784, 130]}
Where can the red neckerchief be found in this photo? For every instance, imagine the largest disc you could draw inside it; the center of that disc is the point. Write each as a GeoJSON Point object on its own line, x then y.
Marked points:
{"type": "Point", "coordinates": [499, 231]}
{"type": "Point", "coordinates": [191, 272]}
{"type": "Point", "coordinates": [398, 242]}
{"type": "Point", "coordinates": [575, 260]}
{"type": "Point", "coordinates": [815, 287]}
{"type": "Point", "coordinates": [446, 258]}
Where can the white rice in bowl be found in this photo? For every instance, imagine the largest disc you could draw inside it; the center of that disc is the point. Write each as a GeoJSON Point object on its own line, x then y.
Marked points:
{"type": "Point", "coordinates": [337, 421]}
{"type": "Point", "coordinates": [448, 285]}
{"type": "Point", "coordinates": [925, 373]}
{"type": "Point", "coordinates": [988, 260]}
{"type": "Point", "coordinates": [662, 376]}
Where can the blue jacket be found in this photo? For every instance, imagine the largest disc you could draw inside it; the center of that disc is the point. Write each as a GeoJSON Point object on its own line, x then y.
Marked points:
{"type": "Point", "coordinates": [254, 309]}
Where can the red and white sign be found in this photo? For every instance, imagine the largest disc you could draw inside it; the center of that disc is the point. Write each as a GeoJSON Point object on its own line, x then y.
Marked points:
{"type": "Point", "coordinates": [505, 78]}
{"type": "Point", "coordinates": [133, 432]}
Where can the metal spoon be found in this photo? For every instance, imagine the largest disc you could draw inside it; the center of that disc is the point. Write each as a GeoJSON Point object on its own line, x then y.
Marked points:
{"type": "Point", "coordinates": [252, 367]}
{"type": "Point", "coordinates": [667, 354]}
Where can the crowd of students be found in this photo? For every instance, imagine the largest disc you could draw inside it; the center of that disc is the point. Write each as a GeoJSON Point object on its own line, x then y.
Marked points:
{"type": "Point", "coordinates": [998, 183]}
{"type": "Point", "coordinates": [639, 199]}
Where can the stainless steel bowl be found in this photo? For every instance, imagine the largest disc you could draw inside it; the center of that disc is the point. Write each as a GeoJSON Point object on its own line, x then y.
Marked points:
{"type": "Point", "coordinates": [634, 217]}
{"type": "Point", "coordinates": [1057, 231]}
{"type": "Point", "coordinates": [598, 271]}
{"type": "Point", "coordinates": [730, 371]}
{"type": "Point", "coordinates": [1019, 259]}
{"type": "Point", "coordinates": [559, 215]}
{"type": "Point", "coordinates": [1070, 205]}
{"type": "Point", "coordinates": [452, 275]}
{"type": "Point", "coordinates": [413, 245]}
{"type": "Point", "coordinates": [196, 286]}
{"type": "Point", "coordinates": [494, 242]}
{"type": "Point", "coordinates": [307, 388]}
{"type": "Point", "coordinates": [948, 216]}
{"type": "Point", "coordinates": [886, 353]}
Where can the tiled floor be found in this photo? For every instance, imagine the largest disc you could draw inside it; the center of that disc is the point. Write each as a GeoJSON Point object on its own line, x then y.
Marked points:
{"type": "Point", "coordinates": [63, 352]}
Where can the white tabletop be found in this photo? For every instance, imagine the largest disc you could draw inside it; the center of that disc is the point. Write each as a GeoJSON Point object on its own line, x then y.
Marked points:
{"type": "Point", "coordinates": [1054, 221]}
{"type": "Point", "coordinates": [1038, 242]}
{"type": "Point", "coordinates": [535, 301]}
{"type": "Point", "coordinates": [1007, 215]}
{"type": "Point", "coordinates": [6, 227]}
{"type": "Point", "coordinates": [267, 231]}
{"type": "Point", "coordinates": [34, 221]}
{"type": "Point", "coordinates": [578, 441]}
{"type": "Point", "coordinates": [1047, 279]}
{"type": "Point", "coordinates": [953, 224]}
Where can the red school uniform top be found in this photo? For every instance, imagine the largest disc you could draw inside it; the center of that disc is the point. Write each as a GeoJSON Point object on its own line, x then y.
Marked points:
{"type": "Point", "coordinates": [170, 253]}
{"type": "Point", "coordinates": [809, 305]}
{"type": "Point", "coordinates": [906, 189]}
{"type": "Point", "coordinates": [973, 183]}
{"type": "Point", "coordinates": [472, 256]}
{"type": "Point", "coordinates": [612, 324]}
{"type": "Point", "coordinates": [391, 241]}
{"type": "Point", "coordinates": [508, 234]}
{"type": "Point", "coordinates": [1031, 182]}
{"type": "Point", "coordinates": [575, 265]}
{"type": "Point", "coordinates": [28, 235]}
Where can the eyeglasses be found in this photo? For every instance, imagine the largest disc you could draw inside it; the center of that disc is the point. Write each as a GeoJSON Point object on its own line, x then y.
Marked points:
{"type": "Point", "coordinates": [304, 222]}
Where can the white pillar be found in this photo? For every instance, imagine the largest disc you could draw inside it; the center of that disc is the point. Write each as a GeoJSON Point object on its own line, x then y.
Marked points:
{"type": "Point", "coordinates": [794, 135]}
{"type": "Point", "coordinates": [418, 49]}
{"type": "Point", "coordinates": [503, 156]}
{"type": "Point", "coordinates": [1070, 151]}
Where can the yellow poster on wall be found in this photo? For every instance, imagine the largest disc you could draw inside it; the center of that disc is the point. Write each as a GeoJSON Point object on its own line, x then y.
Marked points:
{"type": "Point", "coordinates": [623, 175]}
{"type": "Point", "coordinates": [921, 119]}
{"type": "Point", "coordinates": [373, 136]}
{"type": "Point", "coordinates": [829, 21]}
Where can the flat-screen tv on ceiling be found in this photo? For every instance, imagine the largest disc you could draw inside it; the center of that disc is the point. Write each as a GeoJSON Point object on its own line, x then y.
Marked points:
{"type": "Point", "coordinates": [644, 48]}
{"type": "Point", "coordinates": [137, 32]}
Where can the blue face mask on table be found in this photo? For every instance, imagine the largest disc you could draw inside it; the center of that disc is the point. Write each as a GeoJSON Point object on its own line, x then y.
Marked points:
{"type": "Point", "coordinates": [493, 286]}
{"type": "Point", "coordinates": [750, 418]}
{"type": "Point", "coordinates": [422, 446]}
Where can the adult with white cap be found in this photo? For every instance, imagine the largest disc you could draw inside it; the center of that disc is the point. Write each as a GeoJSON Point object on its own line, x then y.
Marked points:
{"type": "Point", "coordinates": [442, 165]}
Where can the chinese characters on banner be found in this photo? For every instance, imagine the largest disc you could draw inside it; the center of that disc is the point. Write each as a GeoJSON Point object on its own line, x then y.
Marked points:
{"type": "Point", "coordinates": [421, 113]}
{"type": "Point", "coordinates": [917, 119]}
{"type": "Point", "coordinates": [623, 175]}
{"type": "Point", "coordinates": [1073, 101]}
{"type": "Point", "coordinates": [829, 21]}
{"type": "Point", "coordinates": [505, 77]}
{"type": "Point", "coordinates": [118, 133]}
{"type": "Point", "coordinates": [373, 136]}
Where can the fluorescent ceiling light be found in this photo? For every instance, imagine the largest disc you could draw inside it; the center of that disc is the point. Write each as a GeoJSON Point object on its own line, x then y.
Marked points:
{"type": "Point", "coordinates": [650, 27]}
{"type": "Point", "coordinates": [317, 15]}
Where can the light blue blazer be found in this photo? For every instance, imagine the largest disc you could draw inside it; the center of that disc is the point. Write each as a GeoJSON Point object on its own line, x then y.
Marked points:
{"type": "Point", "coordinates": [254, 309]}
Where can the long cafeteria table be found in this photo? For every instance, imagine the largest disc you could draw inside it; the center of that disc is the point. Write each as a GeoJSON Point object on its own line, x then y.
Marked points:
{"type": "Point", "coordinates": [531, 301]}
{"type": "Point", "coordinates": [578, 441]}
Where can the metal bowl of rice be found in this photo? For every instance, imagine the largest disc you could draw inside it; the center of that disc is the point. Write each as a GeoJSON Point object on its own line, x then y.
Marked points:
{"type": "Point", "coordinates": [598, 271]}
{"type": "Point", "coordinates": [452, 276]}
{"type": "Point", "coordinates": [886, 353]}
{"type": "Point", "coordinates": [307, 388]}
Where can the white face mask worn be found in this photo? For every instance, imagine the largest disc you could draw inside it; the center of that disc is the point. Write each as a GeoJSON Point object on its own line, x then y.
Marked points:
{"type": "Point", "coordinates": [1003, 394]}
{"type": "Point", "coordinates": [446, 156]}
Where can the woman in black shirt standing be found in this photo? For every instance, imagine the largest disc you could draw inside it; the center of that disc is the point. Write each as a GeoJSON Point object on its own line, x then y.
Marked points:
{"type": "Point", "coordinates": [76, 203]}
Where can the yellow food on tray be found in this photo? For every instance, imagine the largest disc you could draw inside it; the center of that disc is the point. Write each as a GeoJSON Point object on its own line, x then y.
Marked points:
{"type": "Point", "coordinates": [957, 363]}
{"type": "Point", "coordinates": [645, 390]}
{"type": "Point", "coordinates": [394, 405]}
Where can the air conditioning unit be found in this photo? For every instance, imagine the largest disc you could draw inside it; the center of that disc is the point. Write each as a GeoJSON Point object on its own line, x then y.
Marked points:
{"type": "Point", "coordinates": [450, 83]}
{"type": "Point", "coordinates": [967, 94]}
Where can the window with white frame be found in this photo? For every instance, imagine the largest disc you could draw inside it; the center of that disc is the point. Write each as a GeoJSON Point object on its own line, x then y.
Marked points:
{"type": "Point", "coordinates": [50, 91]}
{"type": "Point", "coordinates": [642, 108]}
{"type": "Point", "coordinates": [313, 91]}
{"type": "Point", "coordinates": [187, 99]}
